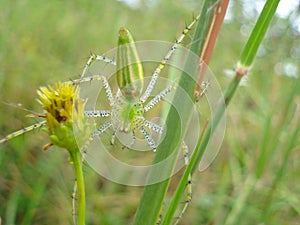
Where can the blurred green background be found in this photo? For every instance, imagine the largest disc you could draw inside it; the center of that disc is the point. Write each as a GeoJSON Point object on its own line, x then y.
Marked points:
{"type": "Point", "coordinates": [254, 179]}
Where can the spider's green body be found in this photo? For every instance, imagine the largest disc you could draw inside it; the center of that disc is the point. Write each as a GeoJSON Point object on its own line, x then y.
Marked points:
{"type": "Point", "coordinates": [129, 66]}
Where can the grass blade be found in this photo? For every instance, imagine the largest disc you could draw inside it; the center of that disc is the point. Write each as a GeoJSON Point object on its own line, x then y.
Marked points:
{"type": "Point", "coordinates": [153, 195]}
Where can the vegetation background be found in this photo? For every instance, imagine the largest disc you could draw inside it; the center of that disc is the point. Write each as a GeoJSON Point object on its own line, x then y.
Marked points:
{"type": "Point", "coordinates": [253, 180]}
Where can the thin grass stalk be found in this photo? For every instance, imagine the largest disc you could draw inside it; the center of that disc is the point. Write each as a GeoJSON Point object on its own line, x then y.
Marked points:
{"type": "Point", "coordinates": [274, 145]}
{"type": "Point", "coordinates": [212, 33]}
{"type": "Point", "coordinates": [248, 188]}
{"type": "Point", "coordinates": [280, 173]}
{"type": "Point", "coordinates": [286, 156]}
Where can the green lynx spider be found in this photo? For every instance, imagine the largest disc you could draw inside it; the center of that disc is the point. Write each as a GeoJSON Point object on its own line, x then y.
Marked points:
{"type": "Point", "coordinates": [129, 102]}
{"type": "Point", "coordinates": [129, 97]}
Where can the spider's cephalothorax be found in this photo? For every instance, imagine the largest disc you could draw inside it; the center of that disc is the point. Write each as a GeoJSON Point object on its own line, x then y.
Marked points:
{"type": "Point", "coordinates": [127, 116]}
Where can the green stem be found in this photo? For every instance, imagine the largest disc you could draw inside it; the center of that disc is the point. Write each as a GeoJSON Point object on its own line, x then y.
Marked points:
{"type": "Point", "coordinates": [258, 33]}
{"type": "Point", "coordinates": [77, 165]}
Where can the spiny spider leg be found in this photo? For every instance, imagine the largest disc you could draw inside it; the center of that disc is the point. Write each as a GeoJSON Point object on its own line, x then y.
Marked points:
{"type": "Point", "coordinates": [106, 85]}
{"type": "Point", "coordinates": [101, 129]}
{"type": "Point", "coordinates": [158, 129]}
{"type": "Point", "coordinates": [158, 97]}
{"type": "Point", "coordinates": [97, 113]}
{"type": "Point", "coordinates": [162, 64]}
{"type": "Point", "coordinates": [188, 188]}
{"type": "Point", "coordinates": [188, 185]}
{"type": "Point", "coordinates": [74, 199]}
{"type": "Point", "coordinates": [94, 58]}
{"type": "Point", "coordinates": [204, 87]}
{"type": "Point", "coordinates": [113, 137]}
{"type": "Point", "coordinates": [148, 138]}
{"type": "Point", "coordinates": [22, 131]}
{"type": "Point", "coordinates": [133, 138]}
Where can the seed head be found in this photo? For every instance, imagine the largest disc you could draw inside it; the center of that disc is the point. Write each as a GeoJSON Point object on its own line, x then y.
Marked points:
{"type": "Point", "coordinates": [64, 114]}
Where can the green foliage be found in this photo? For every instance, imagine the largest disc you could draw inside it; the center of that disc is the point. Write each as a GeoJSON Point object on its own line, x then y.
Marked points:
{"type": "Point", "coordinates": [252, 181]}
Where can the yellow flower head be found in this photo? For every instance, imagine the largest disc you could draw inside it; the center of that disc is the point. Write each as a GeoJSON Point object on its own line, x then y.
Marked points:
{"type": "Point", "coordinates": [64, 113]}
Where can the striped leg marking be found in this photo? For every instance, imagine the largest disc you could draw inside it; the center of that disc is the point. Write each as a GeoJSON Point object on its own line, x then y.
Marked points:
{"type": "Point", "coordinates": [94, 58]}
{"type": "Point", "coordinates": [97, 113]}
{"type": "Point", "coordinates": [22, 131]}
{"type": "Point", "coordinates": [159, 97]}
{"type": "Point", "coordinates": [158, 129]}
{"type": "Point", "coordinates": [106, 86]}
{"type": "Point", "coordinates": [101, 129]}
{"type": "Point", "coordinates": [162, 64]}
{"type": "Point", "coordinates": [188, 185]}
{"type": "Point", "coordinates": [149, 139]}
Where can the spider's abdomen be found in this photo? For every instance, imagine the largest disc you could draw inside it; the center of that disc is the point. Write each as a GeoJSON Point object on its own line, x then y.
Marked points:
{"type": "Point", "coordinates": [129, 67]}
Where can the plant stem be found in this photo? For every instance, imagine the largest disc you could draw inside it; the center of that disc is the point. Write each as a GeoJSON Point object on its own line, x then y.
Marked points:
{"type": "Point", "coordinates": [77, 165]}
{"type": "Point", "coordinates": [258, 33]}
{"type": "Point", "coordinates": [212, 33]}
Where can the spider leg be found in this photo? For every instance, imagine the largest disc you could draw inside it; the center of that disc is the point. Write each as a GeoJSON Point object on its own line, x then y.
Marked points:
{"type": "Point", "coordinates": [74, 199]}
{"type": "Point", "coordinates": [113, 137]}
{"type": "Point", "coordinates": [133, 138]}
{"type": "Point", "coordinates": [162, 64]}
{"type": "Point", "coordinates": [188, 188]}
{"type": "Point", "coordinates": [188, 185]}
{"type": "Point", "coordinates": [158, 129]}
{"type": "Point", "coordinates": [22, 131]}
{"type": "Point", "coordinates": [158, 97]}
{"type": "Point", "coordinates": [101, 129]}
{"type": "Point", "coordinates": [94, 58]}
{"type": "Point", "coordinates": [204, 87]}
{"type": "Point", "coordinates": [97, 113]}
{"type": "Point", "coordinates": [148, 138]}
{"type": "Point", "coordinates": [132, 141]}
{"type": "Point", "coordinates": [107, 88]}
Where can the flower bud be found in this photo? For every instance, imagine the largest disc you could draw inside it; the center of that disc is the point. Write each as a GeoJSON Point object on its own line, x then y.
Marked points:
{"type": "Point", "coordinates": [64, 114]}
